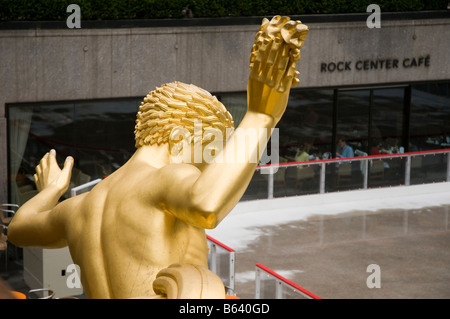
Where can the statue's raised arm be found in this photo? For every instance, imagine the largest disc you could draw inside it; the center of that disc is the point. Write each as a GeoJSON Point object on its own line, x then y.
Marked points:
{"type": "Point", "coordinates": [222, 182]}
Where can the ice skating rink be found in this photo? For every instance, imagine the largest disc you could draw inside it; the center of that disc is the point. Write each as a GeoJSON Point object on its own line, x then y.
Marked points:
{"type": "Point", "coordinates": [325, 243]}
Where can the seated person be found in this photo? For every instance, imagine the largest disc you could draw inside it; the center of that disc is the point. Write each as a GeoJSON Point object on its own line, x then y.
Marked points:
{"type": "Point", "coordinates": [302, 154]}
{"type": "Point", "coordinates": [344, 150]}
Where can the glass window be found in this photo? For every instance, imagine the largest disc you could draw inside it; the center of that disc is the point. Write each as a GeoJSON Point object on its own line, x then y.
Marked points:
{"type": "Point", "coordinates": [387, 121]}
{"type": "Point", "coordinates": [104, 135]}
{"type": "Point", "coordinates": [305, 133]}
{"type": "Point", "coordinates": [352, 124]}
{"type": "Point", "coordinates": [236, 104]}
{"type": "Point", "coordinates": [98, 134]}
{"type": "Point", "coordinates": [430, 116]}
{"type": "Point", "coordinates": [307, 125]}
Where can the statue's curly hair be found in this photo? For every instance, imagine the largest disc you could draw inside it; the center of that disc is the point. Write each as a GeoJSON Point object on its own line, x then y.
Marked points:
{"type": "Point", "coordinates": [174, 105]}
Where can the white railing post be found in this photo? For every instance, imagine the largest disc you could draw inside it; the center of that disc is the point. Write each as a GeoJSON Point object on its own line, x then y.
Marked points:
{"type": "Point", "coordinates": [322, 179]}
{"type": "Point", "coordinates": [257, 283]}
{"type": "Point", "coordinates": [213, 265]}
{"type": "Point", "coordinates": [279, 289]}
{"type": "Point", "coordinates": [232, 270]}
{"type": "Point", "coordinates": [408, 171]}
{"type": "Point", "coordinates": [366, 172]}
{"type": "Point", "coordinates": [270, 183]}
{"type": "Point", "coordinates": [448, 166]}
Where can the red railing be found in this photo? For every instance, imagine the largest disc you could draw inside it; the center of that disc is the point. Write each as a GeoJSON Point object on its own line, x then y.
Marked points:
{"type": "Point", "coordinates": [402, 170]}
{"type": "Point", "coordinates": [302, 290]}
{"type": "Point", "coordinates": [358, 158]}
{"type": "Point", "coordinates": [219, 243]}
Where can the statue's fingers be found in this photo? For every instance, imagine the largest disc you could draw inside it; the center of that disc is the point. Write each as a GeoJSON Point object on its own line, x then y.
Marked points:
{"type": "Point", "coordinates": [295, 80]}
{"type": "Point", "coordinates": [253, 55]}
{"type": "Point", "coordinates": [287, 64]}
{"type": "Point", "coordinates": [39, 176]}
{"type": "Point", "coordinates": [265, 22]}
{"type": "Point", "coordinates": [294, 55]}
{"type": "Point", "coordinates": [68, 165]}
{"type": "Point", "coordinates": [278, 21]}
{"type": "Point", "coordinates": [44, 162]}
{"type": "Point", "coordinates": [274, 51]}
{"type": "Point", "coordinates": [294, 33]}
{"type": "Point", "coordinates": [261, 55]}
{"type": "Point", "coordinates": [52, 159]}
{"type": "Point", "coordinates": [266, 75]}
{"type": "Point", "coordinates": [277, 77]}
{"type": "Point", "coordinates": [275, 26]}
{"type": "Point", "coordinates": [63, 179]}
{"type": "Point", "coordinates": [294, 58]}
{"type": "Point", "coordinates": [301, 31]}
{"type": "Point", "coordinates": [283, 65]}
{"type": "Point", "coordinates": [287, 80]}
{"type": "Point", "coordinates": [259, 63]}
{"type": "Point", "coordinates": [275, 19]}
{"type": "Point", "coordinates": [290, 72]}
{"type": "Point", "coordinates": [38, 170]}
{"type": "Point", "coordinates": [37, 181]}
{"type": "Point", "coordinates": [279, 64]}
{"type": "Point", "coordinates": [258, 51]}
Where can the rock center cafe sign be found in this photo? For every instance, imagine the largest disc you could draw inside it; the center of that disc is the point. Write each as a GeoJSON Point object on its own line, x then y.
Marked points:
{"type": "Point", "coordinates": [376, 64]}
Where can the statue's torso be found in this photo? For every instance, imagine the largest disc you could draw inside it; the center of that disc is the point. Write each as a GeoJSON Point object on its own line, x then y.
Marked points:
{"type": "Point", "coordinates": [121, 239]}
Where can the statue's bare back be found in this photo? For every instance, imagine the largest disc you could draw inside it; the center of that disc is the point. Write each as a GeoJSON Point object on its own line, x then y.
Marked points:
{"type": "Point", "coordinates": [135, 228]}
{"type": "Point", "coordinates": [131, 249]}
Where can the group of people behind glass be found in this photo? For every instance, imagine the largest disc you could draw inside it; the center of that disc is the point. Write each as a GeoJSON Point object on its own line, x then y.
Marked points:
{"type": "Point", "coordinates": [344, 150]}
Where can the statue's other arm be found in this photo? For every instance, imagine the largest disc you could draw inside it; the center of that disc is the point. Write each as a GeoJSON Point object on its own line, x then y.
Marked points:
{"type": "Point", "coordinates": [39, 221]}
{"type": "Point", "coordinates": [219, 186]}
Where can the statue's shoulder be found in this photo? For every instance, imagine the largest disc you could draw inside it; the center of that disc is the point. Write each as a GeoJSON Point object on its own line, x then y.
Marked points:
{"type": "Point", "coordinates": [179, 170]}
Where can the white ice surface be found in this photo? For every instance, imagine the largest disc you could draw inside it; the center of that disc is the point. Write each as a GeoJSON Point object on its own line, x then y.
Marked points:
{"type": "Point", "coordinates": [243, 224]}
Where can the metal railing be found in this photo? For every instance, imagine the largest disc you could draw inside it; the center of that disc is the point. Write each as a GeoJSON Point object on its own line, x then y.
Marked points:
{"type": "Point", "coordinates": [362, 172]}
{"type": "Point", "coordinates": [271, 285]}
{"type": "Point", "coordinates": [221, 261]}
{"type": "Point", "coordinates": [84, 187]}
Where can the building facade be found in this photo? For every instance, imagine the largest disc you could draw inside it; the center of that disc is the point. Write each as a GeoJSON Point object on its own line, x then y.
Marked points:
{"type": "Point", "coordinates": [78, 90]}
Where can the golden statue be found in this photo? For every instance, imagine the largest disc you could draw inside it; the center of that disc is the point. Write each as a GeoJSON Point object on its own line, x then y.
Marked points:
{"type": "Point", "coordinates": [141, 231]}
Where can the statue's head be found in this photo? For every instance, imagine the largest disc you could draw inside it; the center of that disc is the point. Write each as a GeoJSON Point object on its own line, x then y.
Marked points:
{"type": "Point", "coordinates": [174, 111]}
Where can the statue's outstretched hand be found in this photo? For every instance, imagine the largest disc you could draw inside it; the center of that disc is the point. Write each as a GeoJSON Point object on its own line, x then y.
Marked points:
{"type": "Point", "coordinates": [273, 59]}
{"type": "Point", "coordinates": [48, 173]}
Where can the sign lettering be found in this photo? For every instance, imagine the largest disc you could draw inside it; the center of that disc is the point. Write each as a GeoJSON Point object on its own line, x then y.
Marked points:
{"type": "Point", "coordinates": [376, 64]}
